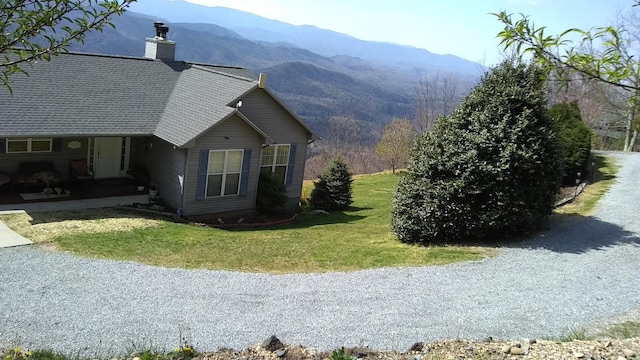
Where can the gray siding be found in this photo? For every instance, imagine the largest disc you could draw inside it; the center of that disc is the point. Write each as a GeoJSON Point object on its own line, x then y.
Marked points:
{"type": "Point", "coordinates": [9, 163]}
{"type": "Point", "coordinates": [240, 136]}
{"type": "Point", "coordinates": [165, 165]}
{"type": "Point", "coordinates": [269, 116]}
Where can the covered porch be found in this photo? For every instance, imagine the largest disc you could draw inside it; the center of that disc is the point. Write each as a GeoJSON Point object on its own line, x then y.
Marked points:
{"type": "Point", "coordinates": [16, 194]}
{"type": "Point", "coordinates": [40, 169]}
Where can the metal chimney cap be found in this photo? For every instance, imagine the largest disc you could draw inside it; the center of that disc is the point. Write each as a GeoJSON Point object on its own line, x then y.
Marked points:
{"type": "Point", "coordinates": [161, 30]}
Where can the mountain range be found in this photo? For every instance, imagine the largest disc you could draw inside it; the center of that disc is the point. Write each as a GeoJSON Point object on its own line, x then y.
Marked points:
{"type": "Point", "coordinates": [320, 74]}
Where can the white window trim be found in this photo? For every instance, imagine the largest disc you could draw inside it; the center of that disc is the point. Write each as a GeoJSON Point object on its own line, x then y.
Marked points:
{"type": "Point", "coordinates": [224, 174]}
{"type": "Point", "coordinates": [29, 145]}
{"type": "Point", "coordinates": [275, 158]}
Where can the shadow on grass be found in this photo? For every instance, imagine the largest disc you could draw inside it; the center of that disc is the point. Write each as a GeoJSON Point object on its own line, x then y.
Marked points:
{"type": "Point", "coordinates": [336, 217]}
{"type": "Point", "coordinates": [600, 160]}
{"type": "Point", "coordinates": [303, 220]}
{"type": "Point", "coordinates": [577, 234]}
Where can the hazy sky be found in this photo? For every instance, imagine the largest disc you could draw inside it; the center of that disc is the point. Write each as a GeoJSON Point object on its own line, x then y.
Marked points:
{"type": "Point", "coordinates": [459, 27]}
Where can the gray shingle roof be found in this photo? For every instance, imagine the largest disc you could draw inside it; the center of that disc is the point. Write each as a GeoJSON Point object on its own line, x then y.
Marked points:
{"type": "Point", "coordinates": [200, 98]}
{"type": "Point", "coordinates": [85, 95]}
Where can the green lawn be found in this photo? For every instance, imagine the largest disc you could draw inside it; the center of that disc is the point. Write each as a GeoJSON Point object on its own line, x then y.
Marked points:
{"type": "Point", "coordinates": [359, 238]}
{"type": "Point", "coordinates": [605, 176]}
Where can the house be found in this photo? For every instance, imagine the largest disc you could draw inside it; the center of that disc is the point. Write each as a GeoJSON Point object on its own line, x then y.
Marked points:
{"type": "Point", "coordinates": [202, 132]}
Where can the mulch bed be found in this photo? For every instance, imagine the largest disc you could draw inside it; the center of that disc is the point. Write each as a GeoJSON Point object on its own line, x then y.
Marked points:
{"type": "Point", "coordinates": [244, 220]}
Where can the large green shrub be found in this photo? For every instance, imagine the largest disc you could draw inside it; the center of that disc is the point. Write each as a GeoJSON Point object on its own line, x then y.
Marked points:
{"type": "Point", "coordinates": [493, 168]}
{"type": "Point", "coordinates": [332, 190]}
{"type": "Point", "coordinates": [575, 139]}
{"type": "Point", "coordinates": [271, 192]}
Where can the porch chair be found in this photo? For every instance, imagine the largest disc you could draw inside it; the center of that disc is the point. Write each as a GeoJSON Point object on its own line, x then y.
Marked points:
{"type": "Point", "coordinates": [79, 171]}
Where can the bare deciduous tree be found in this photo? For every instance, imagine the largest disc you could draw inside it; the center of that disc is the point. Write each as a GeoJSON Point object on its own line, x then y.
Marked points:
{"type": "Point", "coordinates": [436, 96]}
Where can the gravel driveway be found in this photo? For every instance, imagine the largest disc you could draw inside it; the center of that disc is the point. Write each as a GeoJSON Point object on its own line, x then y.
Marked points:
{"type": "Point", "coordinates": [577, 274]}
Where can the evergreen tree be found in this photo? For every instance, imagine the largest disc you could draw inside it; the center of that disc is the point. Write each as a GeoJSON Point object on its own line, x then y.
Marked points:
{"type": "Point", "coordinates": [332, 190]}
{"type": "Point", "coordinates": [575, 139]}
{"type": "Point", "coordinates": [271, 193]}
{"type": "Point", "coordinates": [491, 169]}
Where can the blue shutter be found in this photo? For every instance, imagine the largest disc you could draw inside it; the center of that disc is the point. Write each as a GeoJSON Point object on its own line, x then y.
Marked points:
{"type": "Point", "coordinates": [3, 146]}
{"type": "Point", "coordinates": [203, 164]}
{"type": "Point", "coordinates": [244, 176]}
{"type": "Point", "coordinates": [292, 160]}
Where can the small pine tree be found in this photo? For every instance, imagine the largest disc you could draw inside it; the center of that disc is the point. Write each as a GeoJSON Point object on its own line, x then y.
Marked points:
{"type": "Point", "coordinates": [575, 139]}
{"type": "Point", "coordinates": [332, 190]}
{"type": "Point", "coordinates": [271, 193]}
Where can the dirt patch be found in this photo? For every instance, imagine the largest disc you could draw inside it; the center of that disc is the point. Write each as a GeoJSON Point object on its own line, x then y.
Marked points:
{"type": "Point", "coordinates": [246, 219]}
{"type": "Point", "coordinates": [45, 227]}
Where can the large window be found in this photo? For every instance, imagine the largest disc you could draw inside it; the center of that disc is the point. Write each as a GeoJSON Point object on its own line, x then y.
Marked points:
{"type": "Point", "coordinates": [274, 160]}
{"type": "Point", "coordinates": [223, 174]}
{"type": "Point", "coordinates": [26, 145]}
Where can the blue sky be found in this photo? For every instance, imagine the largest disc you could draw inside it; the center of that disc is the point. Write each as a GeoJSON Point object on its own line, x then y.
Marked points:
{"type": "Point", "coordinates": [459, 27]}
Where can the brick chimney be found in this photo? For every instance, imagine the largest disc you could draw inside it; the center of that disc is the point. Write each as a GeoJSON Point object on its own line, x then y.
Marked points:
{"type": "Point", "coordinates": [159, 47]}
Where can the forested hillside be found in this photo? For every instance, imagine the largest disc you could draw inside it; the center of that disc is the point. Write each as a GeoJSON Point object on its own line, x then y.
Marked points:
{"type": "Point", "coordinates": [321, 89]}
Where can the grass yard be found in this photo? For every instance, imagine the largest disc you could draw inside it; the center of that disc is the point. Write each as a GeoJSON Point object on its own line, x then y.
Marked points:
{"type": "Point", "coordinates": [585, 204]}
{"type": "Point", "coordinates": [359, 238]}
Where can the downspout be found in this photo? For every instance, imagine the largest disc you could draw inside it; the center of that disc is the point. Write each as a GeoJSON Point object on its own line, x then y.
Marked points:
{"type": "Point", "coordinates": [184, 180]}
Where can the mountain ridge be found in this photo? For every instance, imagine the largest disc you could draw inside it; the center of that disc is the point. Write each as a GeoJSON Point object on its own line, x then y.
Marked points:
{"type": "Point", "coordinates": [321, 41]}
{"type": "Point", "coordinates": [318, 87]}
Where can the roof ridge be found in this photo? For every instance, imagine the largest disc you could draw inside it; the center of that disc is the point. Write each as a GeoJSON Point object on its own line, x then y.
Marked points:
{"type": "Point", "coordinates": [204, 68]}
{"type": "Point", "coordinates": [108, 56]}
{"type": "Point", "coordinates": [192, 63]}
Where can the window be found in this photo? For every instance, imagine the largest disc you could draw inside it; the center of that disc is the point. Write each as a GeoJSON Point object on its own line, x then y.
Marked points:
{"type": "Point", "coordinates": [274, 160]}
{"type": "Point", "coordinates": [223, 172]}
{"type": "Point", "coordinates": [25, 145]}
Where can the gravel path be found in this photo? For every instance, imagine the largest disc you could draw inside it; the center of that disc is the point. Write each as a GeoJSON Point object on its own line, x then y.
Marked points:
{"type": "Point", "coordinates": [576, 274]}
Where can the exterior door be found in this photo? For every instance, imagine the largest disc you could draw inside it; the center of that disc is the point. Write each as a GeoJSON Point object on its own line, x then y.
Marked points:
{"type": "Point", "coordinates": [107, 157]}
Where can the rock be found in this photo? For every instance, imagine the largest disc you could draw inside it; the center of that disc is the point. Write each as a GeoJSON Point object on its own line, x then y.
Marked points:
{"type": "Point", "coordinates": [578, 355]}
{"type": "Point", "coordinates": [607, 344]}
{"type": "Point", "coordinates": [417, 346]}
{"type": "Point", "coordinates": [622, 358]}
{"type": "Point", "coordinates": [488, 339]}
{"type": "Point", "coordinates": [417, 357]}
{"type": "Point", "coordinates": [281, 352]}
{"type": "Point", "coordinates": [516, 350]}
{"type": "Point", "coordinates": [136, 358]}
{"type": "Point", "coordinates": [506, 349]}
{"type": "Point", "coordinates": [629, 353]}
{"type": "Point", "coordinates": [529, 341]}
{"type": "Point", "coordinates": [360, 353]}
{"type": "Point", "coordinates": [272, 343]}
